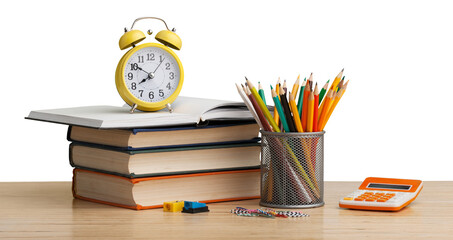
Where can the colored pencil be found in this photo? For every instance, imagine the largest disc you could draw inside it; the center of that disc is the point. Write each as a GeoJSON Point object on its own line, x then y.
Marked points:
{"type": "Point", "coordinates": [334, 104]}
{"type": "Point", "coordinates": [296, 86]}
{"type": "Point", "coordinates": [332, 88]}
{"type": "Point", "coordinates": [280, 110]}
{"type": "Point", "coordinates": [315, 109]}
{"type": "Point", "coordinates": [323, 92]}
{"type": "Point", "coordinates": [261, 92]}
{"type": "Point", "coordinates": [304, 104]}
{"type": "Point", "coordinates": [337, 80]}
{"type": "Point", "coordinates": [339, 85]}
{"type": "Point", "coordinates": [296, 116]}
{"type": "Point", "coordinates": [263, 107]}
{"type": "Point", "coordinates": [310, 110]}
{"type": "Point", "coordinates": [285, 88]}
{"type": "Point", "coordinates": [250, 107]}
{"type": "Point", "coordinates": [287, 111]}
{"type": "Point", "coordinates": [258, 110]}
{"type": "Point", "coordinates": [276, 117]}
{"type": "Point", "coordinates": [301, 97]}
{"type": "Point", "coordinates": [328, 103]}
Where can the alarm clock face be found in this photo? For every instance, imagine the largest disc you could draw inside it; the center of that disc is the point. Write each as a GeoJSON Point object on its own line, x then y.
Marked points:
{"type": "Point", "coordinates": [152, 74]}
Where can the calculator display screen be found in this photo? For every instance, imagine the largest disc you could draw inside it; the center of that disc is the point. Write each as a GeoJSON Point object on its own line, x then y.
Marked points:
{"type": "Point", "coordinates": [389, 186]}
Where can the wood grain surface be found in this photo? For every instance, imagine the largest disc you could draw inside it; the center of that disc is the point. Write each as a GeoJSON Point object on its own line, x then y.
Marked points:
{"type": "Point", "coordinates": [47, 210]}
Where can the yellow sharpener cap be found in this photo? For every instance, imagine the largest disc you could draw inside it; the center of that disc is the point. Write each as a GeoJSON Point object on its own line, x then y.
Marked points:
{"type": "Point", "coordinates": [131, 38]}
{"type": "Point", "coordinates": [169, 39]}
{"type": "Point", "coordinates": [173, 206]}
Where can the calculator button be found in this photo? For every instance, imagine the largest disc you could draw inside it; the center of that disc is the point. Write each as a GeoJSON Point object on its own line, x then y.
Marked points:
{"type": "Point", "coordinates": [370, 199]}
{"type": "Point", "coordinates": [380, 194]}
{"type": "Point", "coordinates": [348, 198]}
{"type": "Point", "coordinates": [359, 199]}
{"type": "Point", "coordinates": [390, 194]}
{"type": "Point", "coordinates": [382, 200]}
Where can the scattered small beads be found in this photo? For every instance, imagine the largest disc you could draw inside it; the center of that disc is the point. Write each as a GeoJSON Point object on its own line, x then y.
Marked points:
{"type": "Point", "coordinates": [266, 212]}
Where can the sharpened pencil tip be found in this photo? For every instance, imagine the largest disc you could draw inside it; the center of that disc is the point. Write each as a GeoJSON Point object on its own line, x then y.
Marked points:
{"type": "Point", "coordinates": [246, 78]}
{"type": "Point", "coordinates": [342, 70]}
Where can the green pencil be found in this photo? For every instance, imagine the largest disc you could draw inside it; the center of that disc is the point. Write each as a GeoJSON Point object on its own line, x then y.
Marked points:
{"type": "Point", "coordinates": [280, 110]}
{"type": "Point", "coordinates": [301, 96]}
{"type": "Point", "coordinates": [323, 92]}
{"type": "Point", "coordinates": [261, 92]}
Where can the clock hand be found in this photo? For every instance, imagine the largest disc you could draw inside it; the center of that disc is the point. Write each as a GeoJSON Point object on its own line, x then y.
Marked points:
{"type": "Point", "coordinates": [141, 69]}
{"type": "Point", "coordinates": [159, 65]}
{"type": "Point", "coordinates": [144, 80]}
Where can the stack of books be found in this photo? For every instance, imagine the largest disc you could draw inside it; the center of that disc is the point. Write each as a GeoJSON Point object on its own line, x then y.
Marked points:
{"type": "Point", "coordinates": [206, 150]}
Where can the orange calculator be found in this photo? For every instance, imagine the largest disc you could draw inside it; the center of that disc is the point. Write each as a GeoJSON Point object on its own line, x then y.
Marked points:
{"type": "Point", "coordinates": [384, 194]}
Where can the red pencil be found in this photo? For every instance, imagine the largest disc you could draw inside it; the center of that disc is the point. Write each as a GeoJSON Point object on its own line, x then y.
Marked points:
{"type": "Point", "coordinates": [303, 117]}
{"type": "Point", "coordinates": [258, 110]}
{"type": "Point", "coordinates": [315, 109]}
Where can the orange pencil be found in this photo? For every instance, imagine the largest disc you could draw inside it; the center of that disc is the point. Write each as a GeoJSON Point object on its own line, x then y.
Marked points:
{"type": "Point", "coordinates": [315, 109]}
{"type": "Point", "coordinates": [296, 117]}
{"type": "Point", "coordinates": [334, 104]}
{"type": "Point", "coordinates": [310, 107]}
{"type": "Point", "coordinates": [325, 110]}
{"type": "Point", "coordinates": [331, 89]}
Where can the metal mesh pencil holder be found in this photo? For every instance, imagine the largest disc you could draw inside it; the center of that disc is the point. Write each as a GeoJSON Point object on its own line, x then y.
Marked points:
{"type": "Point", "coordinates": [292, 169]}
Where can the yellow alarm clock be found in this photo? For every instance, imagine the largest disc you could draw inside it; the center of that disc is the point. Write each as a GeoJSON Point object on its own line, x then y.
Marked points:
{"type": "Point", "coordinates": [149, 76]}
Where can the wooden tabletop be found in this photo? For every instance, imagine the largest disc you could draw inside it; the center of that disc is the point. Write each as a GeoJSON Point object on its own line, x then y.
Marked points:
{"type": "Point", "coordinates": [47, 210]}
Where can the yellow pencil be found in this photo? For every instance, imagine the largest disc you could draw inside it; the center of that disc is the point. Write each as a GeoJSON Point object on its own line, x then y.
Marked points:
{"type": "Point", "coordinates": [277, 90]}
{"type": "Point", "coordinates": [337, 80]}
{"type": "Point", "coordinates": [263, 107]}
{"type": "Point", "coordinates": [296, 87]}
{"type": "Point", "coordinates": [310, 109]}
{"type": "Point", "coordinates": [296, 117]}
{"type": "Point", "coordinates": [331, 89]}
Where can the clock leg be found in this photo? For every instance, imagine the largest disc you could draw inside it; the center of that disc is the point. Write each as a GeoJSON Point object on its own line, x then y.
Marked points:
{"type": "Point", "coordinates": [170, 109]}
{"type": "Point", "coordinates": [133, 108]}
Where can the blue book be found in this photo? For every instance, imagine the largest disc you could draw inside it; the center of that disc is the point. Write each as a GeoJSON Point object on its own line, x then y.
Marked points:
{"type": "Point", "coordinates": [168, 137]}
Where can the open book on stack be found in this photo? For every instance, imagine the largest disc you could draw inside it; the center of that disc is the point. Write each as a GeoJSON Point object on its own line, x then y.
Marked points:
{"type": "Point", "coordinates": [206, 150]}
{"type": "Point", "coordinates": [187, 111]}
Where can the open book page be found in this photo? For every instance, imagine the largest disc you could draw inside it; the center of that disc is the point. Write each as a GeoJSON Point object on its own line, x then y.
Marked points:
{"type": "Point", "coordinates": [109, 117]}
{"type": "Point", "coordinates": [187, 110]}
{"type": "Point", "coordinates": [210, 109]}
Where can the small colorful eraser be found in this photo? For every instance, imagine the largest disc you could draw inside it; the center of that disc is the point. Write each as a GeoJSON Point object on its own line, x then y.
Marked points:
{"type": "Point", "coordinates": [189, 205]}
{"type": "Point", "coordinates": [195, 210]}
{"type": "Point", "coordinates": [173, 206]}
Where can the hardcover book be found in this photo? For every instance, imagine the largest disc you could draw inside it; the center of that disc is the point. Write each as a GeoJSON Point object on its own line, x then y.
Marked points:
{"type": "Point", "coordinates": [146, 193]}
{"type": "Point", "coordinates": [168, 161]}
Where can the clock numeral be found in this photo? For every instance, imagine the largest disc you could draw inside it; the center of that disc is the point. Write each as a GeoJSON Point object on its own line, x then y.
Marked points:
{"type": "Point", "coordinates": [141, 93]}
{"type": "Point", "coordinates": [168, 86]}
{"type": "Point", "coordinates": [161, 92]}
{"type": "Point", "coordinates": [161, 58]}
{"type": "Point", "coordinates": [140, 59]}
{"type": "Point", "coordinates": [150, 57]}
{"type": "Point", "coordinates": [134, 66]}
{"type": "Point", "coordinates": [172, 75]}
{"type": "Point", "coordinates": [130, 76]}
{"type": "Point", "coordinates": [151, 95]}
{"type": "Point", "coordinates": [134, 86]}
{"type": "Point", "coordinates": [167, 66]}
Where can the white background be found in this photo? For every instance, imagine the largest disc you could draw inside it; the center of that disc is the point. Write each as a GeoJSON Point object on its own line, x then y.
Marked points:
{"type": "Point", "coordinates": [394, 120]}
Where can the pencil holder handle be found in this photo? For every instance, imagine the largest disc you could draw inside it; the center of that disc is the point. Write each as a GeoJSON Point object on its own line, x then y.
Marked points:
{"type": "Point", "coordinates": [292, 169]}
